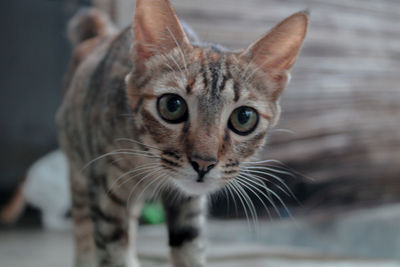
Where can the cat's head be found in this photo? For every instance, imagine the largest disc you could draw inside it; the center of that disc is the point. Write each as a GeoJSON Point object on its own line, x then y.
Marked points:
{"type": "Point", "coordinates": [203, 109]}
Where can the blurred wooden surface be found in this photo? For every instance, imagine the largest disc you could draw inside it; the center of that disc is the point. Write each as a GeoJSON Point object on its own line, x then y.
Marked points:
{"type": "Point", "coordinates": [341, 111]}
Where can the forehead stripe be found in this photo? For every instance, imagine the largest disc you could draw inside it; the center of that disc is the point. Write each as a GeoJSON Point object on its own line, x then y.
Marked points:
{"type": "Point", "coordinates": [225, 73]}
{"type": "Point", "coordinates": [205, 80]}
{"type": "Point", "coordinates": [214, 70]}
{"type": "Point", "coordinates": [143, 81]}
{"type": "Point", "coordinates": [236, 90]}
{"type": "Point", "coordinates": [222, 86]}
{"type": "Point", "coordinates": [190, 85]}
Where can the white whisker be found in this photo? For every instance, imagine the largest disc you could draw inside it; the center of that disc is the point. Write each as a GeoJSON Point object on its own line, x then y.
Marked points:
{"type": "Point", "coordinates": [163, 175]}
{"type": "Point", "coordinates": [141, 167]}
{"type": "Point", "coordinates": [263, 161]}
{"type": "Point", "coordinates": [234, 188]}
{"type": "Point", "coordinates": [159, 187]}
{"type": "Point", "coordinates": [269, 169]}
{"type": "Point", "coordinates": [233, 198]}
{"type": "Point", "coordinates": [117, 152]}
{"type": "Point", "coordinates": [289, 192]}
{"type": "Point", "coordinates": [283, 131]}
{"type": "Point", "coordinates": [227, 198]}
{"type": "Point", "coordinates": [170, 57]}
{"type": "Point", "coordinates": [248, 183]}
{"type": "Point", "coordinates": [136, 142]}
{"type": "Point", "coordinates": [144, 170]}
{"type": "Point", "coordinates": [279, 199]}
{"type": "Point", "coordinates": [249, 203]}
{"type": "Point", "coordinates": [139, 182]}
{"type": "Point", "coordinates": [180, 50]}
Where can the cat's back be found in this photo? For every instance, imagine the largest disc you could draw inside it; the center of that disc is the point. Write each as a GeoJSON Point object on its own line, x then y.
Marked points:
{"type": "Point", "coordinates": [95, 62]}
{"type": "Point", "coordinates": [93, 93]}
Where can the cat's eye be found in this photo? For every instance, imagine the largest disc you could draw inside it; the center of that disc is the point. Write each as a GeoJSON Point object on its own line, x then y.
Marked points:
{"type": "Point", "coordinates": [243, 120]}
{"type": "Point", "coordinates": [172, 108]}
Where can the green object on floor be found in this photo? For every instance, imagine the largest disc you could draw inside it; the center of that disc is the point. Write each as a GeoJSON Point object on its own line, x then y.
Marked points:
{"type": "Point", "coordinates": [153, 213]}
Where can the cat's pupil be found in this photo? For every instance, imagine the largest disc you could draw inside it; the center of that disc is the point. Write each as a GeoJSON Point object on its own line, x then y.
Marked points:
{"type": "Point", "coordinates": [243, 116]}
{"type": "Point", "coordinates": [173, 104]}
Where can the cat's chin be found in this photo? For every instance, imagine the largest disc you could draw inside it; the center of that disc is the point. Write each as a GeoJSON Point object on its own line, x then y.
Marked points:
{"type": "Point", "coordinates": [193, 188]}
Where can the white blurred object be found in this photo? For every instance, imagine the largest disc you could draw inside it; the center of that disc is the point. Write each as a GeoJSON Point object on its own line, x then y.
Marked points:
{"type": "Point", "coordinates": [47, 188]}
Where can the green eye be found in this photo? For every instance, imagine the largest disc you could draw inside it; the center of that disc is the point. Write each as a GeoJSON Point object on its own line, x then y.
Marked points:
{"type": "Point", "coordinates": [243, 120]}
{"type": "Point", "coordinates": [172, 108]}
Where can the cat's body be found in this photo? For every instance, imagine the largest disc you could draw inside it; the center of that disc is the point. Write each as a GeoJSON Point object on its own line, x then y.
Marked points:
{"type": "Point", "coordinates": [148, 113]}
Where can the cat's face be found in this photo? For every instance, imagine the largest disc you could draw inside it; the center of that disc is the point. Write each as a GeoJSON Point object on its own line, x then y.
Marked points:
{"type": "Point", "coordinates": [205, 118]}
{"type": "Point", "coordinates": [205, 111]}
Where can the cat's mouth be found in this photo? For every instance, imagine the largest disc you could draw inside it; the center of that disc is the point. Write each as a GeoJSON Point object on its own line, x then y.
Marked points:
{"type": "Point", "coordinates": [196, 185]}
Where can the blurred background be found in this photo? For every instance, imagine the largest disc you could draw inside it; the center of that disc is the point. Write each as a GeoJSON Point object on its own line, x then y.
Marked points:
{"type": "Point", "coordinates": [336, 148]}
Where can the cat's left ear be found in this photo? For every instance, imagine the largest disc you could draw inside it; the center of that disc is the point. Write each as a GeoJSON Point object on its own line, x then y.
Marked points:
{"type": "Point", "coordinates": [276, 52]}
{"type": "Point", "coordinates": [157, 30]}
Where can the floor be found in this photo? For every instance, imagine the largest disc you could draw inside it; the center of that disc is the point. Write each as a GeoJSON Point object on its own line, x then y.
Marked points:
{"type": "Point", "coordinates": [48, 249]}
{"type": "Point", "coordinates": [232, 243]}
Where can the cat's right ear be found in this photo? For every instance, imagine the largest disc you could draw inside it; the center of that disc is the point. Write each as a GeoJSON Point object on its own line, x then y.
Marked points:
{"type": "Point", "coordinates": [276, 52]}
{"type": "Point", "coordinates": [157, 30]}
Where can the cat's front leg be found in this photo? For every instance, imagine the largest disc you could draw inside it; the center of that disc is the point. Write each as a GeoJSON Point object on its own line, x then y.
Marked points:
{"type": "Point", "coordinates": [135, 210]}
{"type": "Point", "coordinates": [186, 219]}
{"type": "Point", "coordinates": [83, 225]}
{"type": "Point", "coordinates": [110, 224]}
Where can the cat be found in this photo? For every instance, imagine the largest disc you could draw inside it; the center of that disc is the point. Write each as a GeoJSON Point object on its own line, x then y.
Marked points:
{"type": "Point", "coordinates": [150, 112]}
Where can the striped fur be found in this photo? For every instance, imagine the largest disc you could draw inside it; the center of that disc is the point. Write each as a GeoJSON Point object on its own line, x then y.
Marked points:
{"type": "Point", "coordinates": [121, 151]}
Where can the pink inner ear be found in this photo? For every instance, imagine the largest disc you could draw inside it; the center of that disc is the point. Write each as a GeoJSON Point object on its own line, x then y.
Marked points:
{"type": "Point", "coordinates": [281, 79]}
{"type": "Point", "coordinates": [278, 49]}
{"type": "Point", "coordinates": [157, 28]}
{"type": "Point", "coordinates": [141, 38]}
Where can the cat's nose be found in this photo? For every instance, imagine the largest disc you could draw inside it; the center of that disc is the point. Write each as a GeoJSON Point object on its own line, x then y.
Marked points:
{"type": "Point", "coordinates": [202, 165]}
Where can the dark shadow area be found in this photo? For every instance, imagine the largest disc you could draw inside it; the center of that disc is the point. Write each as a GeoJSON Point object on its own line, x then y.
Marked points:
{"type": "Point", "coordinates": [35, 54]}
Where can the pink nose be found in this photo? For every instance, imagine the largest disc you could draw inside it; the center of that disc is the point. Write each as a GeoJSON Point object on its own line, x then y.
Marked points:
{"type": "Point", "coordinates": [202, 165]}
